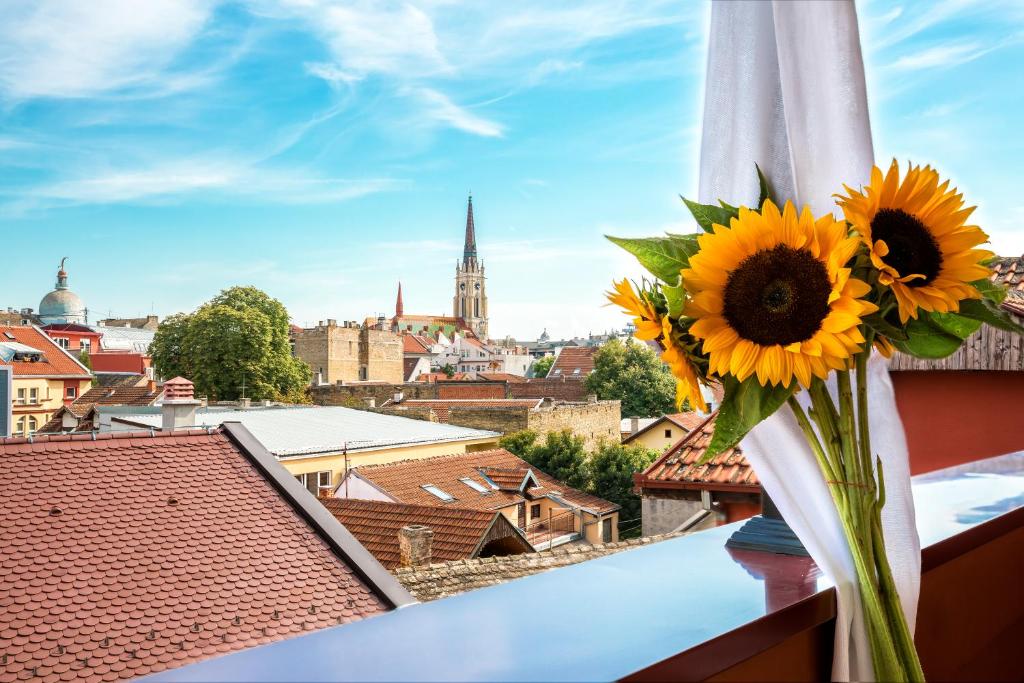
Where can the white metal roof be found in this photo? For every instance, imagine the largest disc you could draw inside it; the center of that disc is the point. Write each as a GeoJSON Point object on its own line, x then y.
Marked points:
{"type": "Point", "coordinates": [124, 338]}
{"type": "Point", "coordinates": [305, 430]}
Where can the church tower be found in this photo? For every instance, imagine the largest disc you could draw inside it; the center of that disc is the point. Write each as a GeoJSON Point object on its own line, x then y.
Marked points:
{"type": "Point", "coordinates": [470, 301]}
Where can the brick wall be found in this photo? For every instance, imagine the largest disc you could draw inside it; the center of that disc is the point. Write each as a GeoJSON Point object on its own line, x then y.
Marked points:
{"type": "Point", "coordinates": [348, 394]}
{"type": "Point", "coordinates": [560, 389]}
{"type": "Point", "coordinates": [472, 389]}
{"type": "Point", "coordinates": [505, 419]}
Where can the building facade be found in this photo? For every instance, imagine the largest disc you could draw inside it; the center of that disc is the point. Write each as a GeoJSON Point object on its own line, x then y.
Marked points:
{"type": "Point", "coordinates": [350, 352]}
{"type": "Point", "coordinates": [470, 301]}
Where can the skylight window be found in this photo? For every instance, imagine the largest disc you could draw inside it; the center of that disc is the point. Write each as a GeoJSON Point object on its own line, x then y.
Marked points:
{"type": "Point", "coordinates": [475, 485]}
{"type": "Point", "coordinates": [576, 371]}
{"type": "Point", "coordinates": [434, 491]}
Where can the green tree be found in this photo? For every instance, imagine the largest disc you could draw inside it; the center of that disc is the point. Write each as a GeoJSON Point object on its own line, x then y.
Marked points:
{"type": "Point", "coordinates": [236, 341]}
{"type": "Point", "coordinates": [83, 358]}
{"type": "Point", "coordinates": [633, 374]}
{"type": "Point", "coordinates": [449, 370]}
{"type": "Point", "coordinates": [611, 469]}
{"type": "Point", "coordinates": [519, 443]}
{"type": "Point", "coordinates": [542, 365]}
{"type": "Point", "coordinates": [563, 456]}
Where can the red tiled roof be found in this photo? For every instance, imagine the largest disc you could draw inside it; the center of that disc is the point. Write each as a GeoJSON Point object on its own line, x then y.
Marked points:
{"type": "Point", "coordinates": [573, 358]}
{"type": "Point", "coordinates": [103, 396]}
{"type": "Point", "coordinates": [441, 407]}
{"type": "Point", "coordinates": [458, 532]}
{"type": "Point", "coordinates": [403, 481]}
{"type": "Point", "coordinates": [1009, 271]}
{"type": "Point", "coordinates": [441, 377]}
{"type": "Point", "coordinates": [56, 362]}
{"type": "Point", "coordinates": [508, 478]}
{"type": "Point", "coordinates": [500, 377]}
{"type": "Point", "coordinates": [688, 421]}
{"type": "Point", "coordinates": [413, 343]}
{"type": "Point", "coordinates": [679, 465]}
{"type": "Point", "coordinates": [138, 553]}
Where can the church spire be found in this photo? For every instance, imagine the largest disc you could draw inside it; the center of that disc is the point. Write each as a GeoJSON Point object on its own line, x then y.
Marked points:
{"type": "Point", "coordinates": [469, 249]}
{"type": "Point", "coordinates": [399, 308]}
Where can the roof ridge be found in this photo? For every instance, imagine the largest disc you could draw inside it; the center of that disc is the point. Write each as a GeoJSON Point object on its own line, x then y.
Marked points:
{"type": "Point", "coordinates": [382, 465]}
{"type": "Point", "coordinates": [432, 509]}
{"type": "Point", "coordinates": [106, 436]}
{"type": "Point", "coordinates": [672, 450]}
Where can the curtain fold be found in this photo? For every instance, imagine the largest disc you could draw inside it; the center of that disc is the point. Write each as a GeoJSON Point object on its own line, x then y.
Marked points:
{"type": "Point", "coordinates": [785, 89]}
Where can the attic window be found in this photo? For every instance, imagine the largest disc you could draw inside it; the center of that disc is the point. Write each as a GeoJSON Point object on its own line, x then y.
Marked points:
{"type": "Point", "coordinates": [558, 371]}
{"type": "Point", "coordinates": [475, 485]}
{"type": "Point", "coordinates": [434, 491]}
{"type": "Point", "coordinates": [9, 336]}
{"type": "Point", "coordinates": [576, 371]}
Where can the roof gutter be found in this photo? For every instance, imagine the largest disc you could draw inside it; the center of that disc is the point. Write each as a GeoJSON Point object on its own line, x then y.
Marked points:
{"type": "Point", "coordinates": [340, 540]}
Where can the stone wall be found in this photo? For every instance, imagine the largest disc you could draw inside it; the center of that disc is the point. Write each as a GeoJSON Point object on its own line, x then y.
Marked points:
{"type": "Point", "coordinates": [665, 510]}
{"type": "Point", "coordinates": [497, 419]}
{"type": "Point", "coordinates": [472, 389]}
{"type": "Point", "coordinates": [594, 421]}
{"type": "Point", "coordinates": [559, 389]}
{"type": "Point", "coordinates": [358, 393]}
{"type": "Point", "coordinates": [350, 353]}
{"type": "Point", "coordinates": [451, 578]}
{"type": "Point", "coordinates": [381, 353]}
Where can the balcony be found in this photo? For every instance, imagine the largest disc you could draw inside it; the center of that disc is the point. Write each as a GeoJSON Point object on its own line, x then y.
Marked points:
{"type": "Point", "coordinates": [688, 609]}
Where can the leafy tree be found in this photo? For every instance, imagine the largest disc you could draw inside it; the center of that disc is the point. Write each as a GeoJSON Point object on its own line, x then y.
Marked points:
{"type": "Point", "coordinates": [633, 374]}
{"type": "Point", "coordinates": [542, 365]}
{"type": "Point", "coordinates": [237, 339]}
{"type": "Point", "coordinates": [449, 370]}
{"type": "Point", "coordinates": [83, 358]}
{"type": "Point", "coordinates": [563, 456]}
{"type": "Point", "coordinates": [611, 469]}
{"type": "Point", "coordinates": [519, 443]}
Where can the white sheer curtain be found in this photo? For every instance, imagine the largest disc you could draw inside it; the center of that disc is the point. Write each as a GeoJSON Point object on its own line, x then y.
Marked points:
{"type": "Point", "coordinates": [785, 89]}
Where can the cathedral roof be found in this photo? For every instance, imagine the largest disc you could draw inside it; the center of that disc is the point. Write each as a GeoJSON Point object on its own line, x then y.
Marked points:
{"type": "Point", "coordinates": [62, 305]}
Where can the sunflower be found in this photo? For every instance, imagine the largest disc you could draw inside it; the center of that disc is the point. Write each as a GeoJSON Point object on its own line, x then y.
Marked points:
{"type": "Point", "coordinates": [916, 236]}
{"type": "Point", "coordinates": [678, 361]}
{"type": "Point", "coordinates": [772, 296]}
{"type": "Point", "coordinates": [645, 318]}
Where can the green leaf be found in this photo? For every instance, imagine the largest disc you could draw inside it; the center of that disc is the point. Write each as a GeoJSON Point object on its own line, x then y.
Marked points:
{"type": "Point", "coordinates": [990, 314]}
{"type": "Point", "coordinates": [927, 339]}
{"type": "Point", "coordinates": [990, 290]}
{"type": "Point", "coordinates": [674, 298]}
{"type": "Point", "coordinates": [664, 257]}
{"type": "Point", "coordinates": [708, 215]}
{"type": "Point", "coordinates": [957, 325]}
{"type": "Point", "coordinates": [745, 405]}
{"type": "Point", "coordinates": [885, 328]}
{"type": "Point", "coordinates": [765, 187]}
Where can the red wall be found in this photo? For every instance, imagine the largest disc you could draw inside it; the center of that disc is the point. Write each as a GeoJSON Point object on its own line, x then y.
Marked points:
{"type": "Point", "coordinates": [956, 417]}
{"type": "Point", "coordinates": [116, 361]}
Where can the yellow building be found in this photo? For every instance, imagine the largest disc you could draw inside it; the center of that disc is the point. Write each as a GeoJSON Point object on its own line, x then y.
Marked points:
{"type": "Point", "coordinates": [45, 376]}
{"type": "Point", "coordinates": [666, 431]}
{"type": "Point", "coordinates": [318, 444]}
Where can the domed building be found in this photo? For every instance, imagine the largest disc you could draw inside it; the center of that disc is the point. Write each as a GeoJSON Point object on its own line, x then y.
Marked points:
{"type": "Point", "coordinates": [62, 305]}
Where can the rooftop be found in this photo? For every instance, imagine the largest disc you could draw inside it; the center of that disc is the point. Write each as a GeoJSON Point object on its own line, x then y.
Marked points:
{"type": "Point", "coordinates": [680, 465]}
{"type": "Point", "coordinates": [307, 430]}
{"type": "Point", "coordinates": [687, 421]}
{"type": "Point", "coordinates": [573, 361]}
{"type": "Point", "coordinates": [404, 481]}
{"type": "Point", "coordinates": [55, 362]}
{"type": "Point", "coordinates": [124, 338]}
{"type": "Point", "coordinates": [156, 551]}
{"type": "Point", "coordinates": [459, 533]}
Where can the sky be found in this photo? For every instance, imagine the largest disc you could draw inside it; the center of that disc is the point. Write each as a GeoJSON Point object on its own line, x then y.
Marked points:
{"type": "Point", "coordinates": [323, 151]}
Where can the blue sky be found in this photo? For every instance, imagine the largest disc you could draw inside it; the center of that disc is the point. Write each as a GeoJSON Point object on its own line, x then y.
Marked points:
{"type": "Point", "coordinates": [323, 151]}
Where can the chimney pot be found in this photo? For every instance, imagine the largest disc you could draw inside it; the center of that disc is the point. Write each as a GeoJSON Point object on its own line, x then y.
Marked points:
{"type": "Point", "coordinates": [179, 408]}
{"type": "Point", "coordinates": [414, 545]}
{"type": "Point", "coordinates": [634, 425]}
{"type": "Point", "coordinates": [245, 402]}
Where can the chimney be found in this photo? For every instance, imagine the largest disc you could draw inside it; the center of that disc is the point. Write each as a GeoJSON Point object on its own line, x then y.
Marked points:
{"type": "Point", "coordinates": [592, 398]}
{"type": "Point", "coordinates": [371, 402]}
{"type": "Point", "coordinates": [634, 425]}
{"type": "Point", "coordinates": [414, 542]}
{"type": "Point", "coordinates": [244, 402]}
{"type": "Point", "coordinates": [179, 408]}
{"type": "Point", "coordinates": [398, 396]}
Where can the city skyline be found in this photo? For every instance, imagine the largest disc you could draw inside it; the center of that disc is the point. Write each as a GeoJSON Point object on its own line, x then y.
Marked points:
{"type": "Point", "coordinates": [324, 154]}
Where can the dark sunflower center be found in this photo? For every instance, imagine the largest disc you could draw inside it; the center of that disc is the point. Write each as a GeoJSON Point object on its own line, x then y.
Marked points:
{"type": "Point", "coordinates": [777, 296]}
{"type": "Point", "coordinates": [912, 249]}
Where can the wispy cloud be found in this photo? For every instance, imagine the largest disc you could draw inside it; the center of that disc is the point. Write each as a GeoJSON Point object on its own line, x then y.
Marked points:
{"type": "Point", "coordinates": [63, 49]}
{"type": "Point", "coordinates": [440, 108]}
{"type": "Point", "coordinates": [943, 56]}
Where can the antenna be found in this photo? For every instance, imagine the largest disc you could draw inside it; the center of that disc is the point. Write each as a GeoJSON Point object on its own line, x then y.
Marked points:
{"type": "Point", "coordinates": [243, 385]}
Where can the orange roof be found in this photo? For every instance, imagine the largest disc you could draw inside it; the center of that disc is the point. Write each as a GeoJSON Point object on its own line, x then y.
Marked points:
{"type": "Point", "coordinates": [573, 361]}
{"type": "Point", "coordinates": [679, 468]}
{"type": "Point", "coordinates": [414, 343]}
{"type": "Point", "coordinates": [500, 377]}
{"type": "Point", "coordinates": [458, 532]}
{"type": "Point", "coordinates": [156, 551]}
{"type": "Point", "coordinates": [403, 481]}
{"type": "Point", "coordinates": [56, 361]}
{"type": "Point", "coordinates": [441, 407]}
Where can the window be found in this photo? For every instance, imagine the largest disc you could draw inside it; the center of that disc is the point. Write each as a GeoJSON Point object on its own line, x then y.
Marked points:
{"type": "Point", "coordinates": [33, 395]}
{"type": "Point", "coordinates": [63, 342]}
{"type": "Point", "coordinates": [21, 426]}
{"type": "Point", "coordinates": [33, 425]}
{"type": "Point", "coordinates": [71, 392]}
{"type": "Point", "coordinates": [535, 511]}
{"type": "Point", "coordinates": [315, 481]}
{"type": "Point", "coordinates": [475, 485]}
{"type": "Point", "coordinates": [558, 371]}
{"type": "Point", "coordinates": [606, 530]}
{"type": "Point", "coordinates": [576, 371]}
{"type": "Point", "coordinates": [668, 433]}
{"type": "Point", "coordinates": [21, 395]}
{"type": "Point", "coordinates": [434, 491]}
{"type": "Point", "coordinates": [86, 344]}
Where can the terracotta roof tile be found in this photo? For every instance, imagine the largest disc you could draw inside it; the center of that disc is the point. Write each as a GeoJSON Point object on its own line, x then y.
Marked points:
{"type": "Point", "coordinates": [573, 362]}
{"type": "Point", "coordinates": [152, 552]}
{"type": "Point", "coordinates": [403, 481]}
{"type": "Point", "coordinates": [679, 464]}
{"type": "Point", "coordinates": [500, 377]}
{"type": "Point", "coordinates": [507, 478]}
{"type": "Point", "coordinates": [413, 343]}
{"type": "Point", "coordinates": [56, 361]}
{"type": "Point", "coordinates": [458, 532]}
{"type": "Point", "coordinates": [1009, 270]}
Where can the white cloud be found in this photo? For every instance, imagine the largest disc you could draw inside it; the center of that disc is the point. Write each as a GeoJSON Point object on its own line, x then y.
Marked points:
{"type": "Point", "coordinates": [55, 48]}
{"type": "Point", "coordinates": [439, 107]}
{"type": "Point", "coordinates": [942, 55]}
{"type": "Point", "coordinates": [331, 73]}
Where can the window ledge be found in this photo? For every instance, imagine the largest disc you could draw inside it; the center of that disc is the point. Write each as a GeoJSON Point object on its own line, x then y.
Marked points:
{"type": "Point", "coordinates": [620, 615]}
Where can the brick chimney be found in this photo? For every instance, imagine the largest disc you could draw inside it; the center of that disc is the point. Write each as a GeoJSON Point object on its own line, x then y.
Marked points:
{"type": "Point", "coordinates": [414, 543]}
{"type": "Point", "coordinates": [179, 407]}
